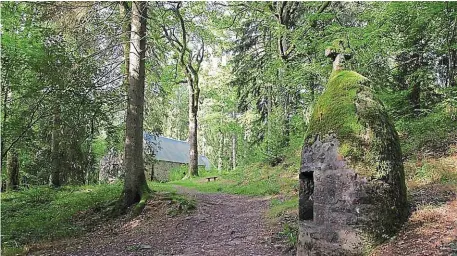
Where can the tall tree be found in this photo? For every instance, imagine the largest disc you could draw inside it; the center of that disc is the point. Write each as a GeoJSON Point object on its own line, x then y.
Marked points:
{"type": "Point", "coordinates": [189, 60]}
{"type": "Point", "coordinates": [135, 186]}
{"type": "Point", "coordinates": [274, 63]}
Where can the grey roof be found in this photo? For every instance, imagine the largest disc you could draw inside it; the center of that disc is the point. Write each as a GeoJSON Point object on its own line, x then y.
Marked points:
{"type": "Point", "coordinates": [171, 150]}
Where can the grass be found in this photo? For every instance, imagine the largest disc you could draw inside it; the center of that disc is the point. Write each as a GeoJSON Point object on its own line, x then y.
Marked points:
{"type": "Point", "coordinates": [254, 180]}
{"type": "Point", "coordinates": [279, 207]}
{"type": "Point", "coordinates": [42, 213]}
{"type": "Point", "coordinates": [431, 170]}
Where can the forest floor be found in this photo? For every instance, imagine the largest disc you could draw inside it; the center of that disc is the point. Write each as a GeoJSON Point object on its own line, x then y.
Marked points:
{"type": "Point", "coordinates": [222, 224]}
{"type": "Point", "coordinates": [242, 213]}
{"type": "Point", "coordinates": [432, 227]}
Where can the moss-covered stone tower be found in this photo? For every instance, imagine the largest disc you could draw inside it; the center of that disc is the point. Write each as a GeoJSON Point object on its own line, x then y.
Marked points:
{"type": "Point", "coordinates": [352, 184]}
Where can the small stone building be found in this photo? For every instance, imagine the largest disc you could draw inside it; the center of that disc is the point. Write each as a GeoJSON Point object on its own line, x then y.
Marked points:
{"type": "Point", "coordinates": [352, 193]}
{"type": "Point", "coordinates": [163, 154]}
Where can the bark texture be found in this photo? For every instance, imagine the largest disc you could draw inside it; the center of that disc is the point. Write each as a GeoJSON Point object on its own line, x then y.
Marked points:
{"type": "Point", "coordinates": [233, 151]}
{"type": "Point", "coordinates": [13, 170]}
{"type": "Point", "coordinates": [135, 186]}
{"type": "Point", "coordinates": [221, 152]}
{"type": "Point", "coordinates": [190, 62]}
{"type": "Point", "coordinates": [193, 109]}
{"type": "Point", "coordinates": [55, 148]}
{"type": "Point", "coordinates": [125, 12]}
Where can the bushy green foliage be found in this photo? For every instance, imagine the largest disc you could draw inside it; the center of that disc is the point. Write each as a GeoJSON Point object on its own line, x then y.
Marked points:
{"type": "Point", "coordinates": [178, 173]}
{"type": "Point", "coordinates": [431, 132]}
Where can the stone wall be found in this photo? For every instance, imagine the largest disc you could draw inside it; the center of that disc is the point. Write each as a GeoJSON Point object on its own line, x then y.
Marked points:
{"type": "Point", "coordinates": [161, 170]}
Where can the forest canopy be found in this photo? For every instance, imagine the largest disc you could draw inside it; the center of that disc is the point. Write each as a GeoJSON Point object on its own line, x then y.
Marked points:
{"type": "Point", "coordinates": [242, 75]}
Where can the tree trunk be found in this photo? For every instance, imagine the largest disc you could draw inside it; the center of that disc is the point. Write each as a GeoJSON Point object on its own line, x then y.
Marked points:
{"type": "Point", "coordinates": [135, 186]}
{"type": "Point", "coordinates": [152, 169]}
{"type": "Point", "coordinates": [55, 148]}
{"type": "Point", "coordinates": [5, 112]}
{"type": "Point", "coordinates": [221, 146]}
{"type": "Point", "coordinates": [286, 120]}
{"type": "Point", "coordinates": [414, 96]}
{"type": "Point", "coordinates": [125, 11]}
{"type": "Point", "coordinates": [245, 146]}
{"type": "Point", "coordinates": [221, 151]}
{"type": "Point", "coordinates": [193, 108]}
{"type": "Point", "coordinates": [13, 170]}
{"type": "Point", "coordinates": [452, 59]}
{"type": "Point", "coordinates": [233, 151]}
{"type": "Point", "coordinates": [191, 71]}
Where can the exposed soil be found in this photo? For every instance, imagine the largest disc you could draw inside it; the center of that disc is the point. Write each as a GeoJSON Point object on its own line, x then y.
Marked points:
{"type": "Point", "coordinates": [229, 225]}
{"type": "Point", "coordinates": [432, 226]}
{"type": "Point", "coordinates": [221, 225]}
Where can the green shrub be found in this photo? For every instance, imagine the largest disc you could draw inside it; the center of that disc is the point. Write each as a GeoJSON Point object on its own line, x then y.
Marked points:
{"type": "Point", "coordinates": [430, 132]}
{"type": "Point", "coordinates": [178, 173]}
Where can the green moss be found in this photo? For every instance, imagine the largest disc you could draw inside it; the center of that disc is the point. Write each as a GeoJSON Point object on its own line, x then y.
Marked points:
{"type": "Point", "coordinates": [349, 110]}
{"type": "Point", "coordinates": [335, 112]}
{"type": "Point", "coordinates": [145, 195]}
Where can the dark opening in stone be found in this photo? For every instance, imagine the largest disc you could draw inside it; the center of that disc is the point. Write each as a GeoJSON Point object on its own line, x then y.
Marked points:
{"type": "Point", "coordinates": [306, 196]}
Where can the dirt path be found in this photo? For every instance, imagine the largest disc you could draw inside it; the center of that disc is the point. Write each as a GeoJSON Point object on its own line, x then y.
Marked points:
{"type": "Point", "coordinates": [221, 225]}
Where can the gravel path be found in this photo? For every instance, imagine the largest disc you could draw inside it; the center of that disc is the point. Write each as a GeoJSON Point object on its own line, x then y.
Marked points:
{"type": "Point", "coordinates": [222, 224]}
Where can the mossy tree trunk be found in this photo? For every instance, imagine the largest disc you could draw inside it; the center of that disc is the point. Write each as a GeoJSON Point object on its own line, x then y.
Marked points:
{"type": "Point", "coordinates": [135, 186]}
{"type": "Point", "coordinates": [13, 170]}
{"type": "Point", "coordinates": [415, 96]}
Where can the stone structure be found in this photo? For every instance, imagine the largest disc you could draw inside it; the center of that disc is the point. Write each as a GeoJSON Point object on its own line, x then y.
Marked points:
{"type": "Point", "coordinates": [352, 185]}
{"type": "Point", "coordinates": [161, 155]}
{"type": "Point", "coordinates": [160, 170]}
{"type": "Point", "coordinates": [164, 154]}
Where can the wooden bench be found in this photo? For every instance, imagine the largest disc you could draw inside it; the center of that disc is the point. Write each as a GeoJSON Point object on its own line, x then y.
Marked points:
{"type": "Point", "coordinates": [209, 178]}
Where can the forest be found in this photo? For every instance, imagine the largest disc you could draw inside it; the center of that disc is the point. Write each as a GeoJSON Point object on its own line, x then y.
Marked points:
{"type": "Point", "coordinates": [86, 87]}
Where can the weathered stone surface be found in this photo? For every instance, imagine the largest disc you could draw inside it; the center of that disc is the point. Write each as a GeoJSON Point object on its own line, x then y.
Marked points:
{"type": "Point", "coordinates": [352, 187]}
{"type": "Point", "coordinates": [162, 169]}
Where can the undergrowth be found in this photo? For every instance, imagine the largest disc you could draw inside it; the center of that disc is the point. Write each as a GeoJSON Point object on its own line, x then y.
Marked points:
{"type": "Point", "coordinates": [254, 180]}
{"type": "Point", "coordinates": [44, 214]}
